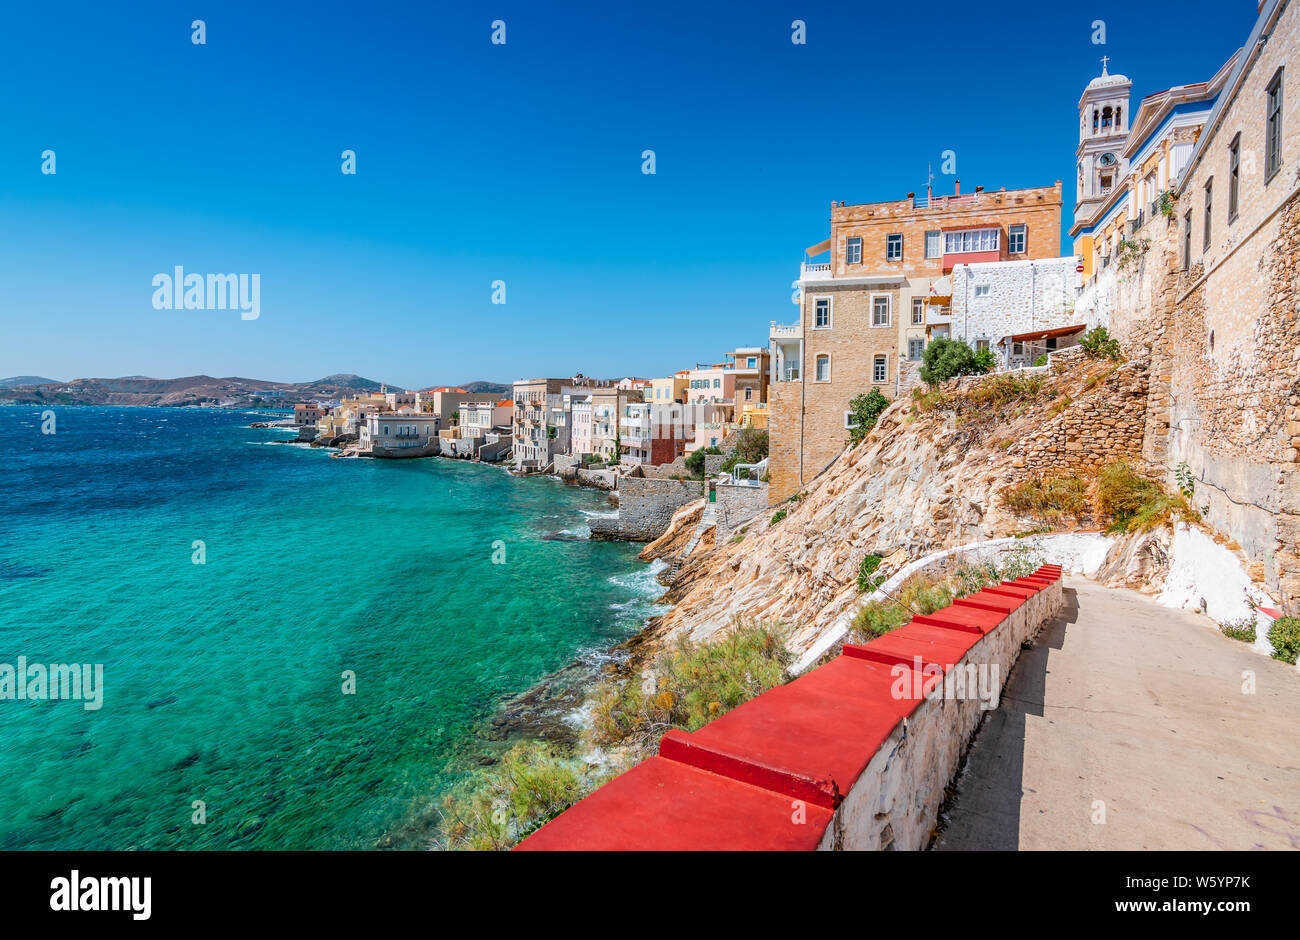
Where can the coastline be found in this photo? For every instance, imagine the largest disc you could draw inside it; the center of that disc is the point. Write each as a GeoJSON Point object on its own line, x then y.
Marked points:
{"type": "Point", "coordinates": [549, 710]}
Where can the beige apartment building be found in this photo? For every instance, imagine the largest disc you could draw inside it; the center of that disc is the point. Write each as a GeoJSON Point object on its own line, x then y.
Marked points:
{"type": "Point", "coordinates": [867, 308]}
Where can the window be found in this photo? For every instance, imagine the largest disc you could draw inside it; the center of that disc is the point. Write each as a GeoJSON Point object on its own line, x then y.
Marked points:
{"type": "Point", "coordinates": [933, 244]}
{"type": "Point", "coordinates": [918, 310]}
{"type": "Point", "coordinates": [1017, 349]}
{"type": "Point", "coordinates": [1187, 240]}
{"type": "Point", "coordinates": [1234, 176]}
{"type": "Point", "coordinates": [981, 345]}
{"type": "Point", "coordinates": [975, 239]}
{"type": "Point", "coordinates": [822, 314]}
{"type": "Point", "coordinates": [1016, 239]}
{"type": "Point", "coordinates": [880, 310]}
{"type": "Point", "coordinates": [1209, 213]}
{"type": "Point", "coordinates": [749, 394]}
{"type": "Point", "coordinates": [751, 362]}
{"type": "Point", "coordinates": [981, 290]}
{"type": "Point", "coordinates": [1273, 128]}
{"type": "Point", "coordinates": [879, 369]}
{"type": "Point", "coordinates": [915, 349]}
{"type": "Point", "coordinates": [893, 247]}
{"type": "Point", "coordinates": [823, 368]}
{"type": "Point", "coordinates": [717, 383]}
{"type": "Point", "coordinates": [853, 253]}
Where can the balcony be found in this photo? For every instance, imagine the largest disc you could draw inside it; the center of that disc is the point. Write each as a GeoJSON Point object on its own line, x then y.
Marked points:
{"type": "Point", "coordinates": [784, 331]}
{"type": "Point", "coordinates": [815, 272]}
{"type": "Point", "coordinates": [938, 316]}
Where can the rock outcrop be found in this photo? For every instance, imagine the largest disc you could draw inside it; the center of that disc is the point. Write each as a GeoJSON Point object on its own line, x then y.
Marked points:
{"type": "Point", "coordinates": [929, 476]}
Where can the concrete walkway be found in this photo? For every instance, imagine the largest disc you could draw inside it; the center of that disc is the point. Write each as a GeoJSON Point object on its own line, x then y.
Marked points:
{"type": "Point", "coordinates": [1141, 708]}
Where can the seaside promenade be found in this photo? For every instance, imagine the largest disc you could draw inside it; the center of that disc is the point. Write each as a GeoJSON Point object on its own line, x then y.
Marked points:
{"type": "Point", "coordinates": [1138, 712]}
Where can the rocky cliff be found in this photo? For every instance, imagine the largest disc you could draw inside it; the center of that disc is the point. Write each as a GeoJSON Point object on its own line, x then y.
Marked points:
{"type": "Point", "coordinates": [930, 475]}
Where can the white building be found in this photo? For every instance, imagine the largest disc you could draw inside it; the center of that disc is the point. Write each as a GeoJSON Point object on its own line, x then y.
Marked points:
{"type": "Point", "coordinates": [1018, 310]}
{"type": "Point", "coordinates": [399, 435]}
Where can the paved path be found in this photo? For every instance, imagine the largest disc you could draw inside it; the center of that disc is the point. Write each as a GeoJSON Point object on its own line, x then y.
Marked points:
{"type": "Point", "coordinates": [1140, 707]}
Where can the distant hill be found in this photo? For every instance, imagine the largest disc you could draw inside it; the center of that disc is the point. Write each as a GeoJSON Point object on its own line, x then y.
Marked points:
{"type": "Point", "coordinates": [496, 388]}
{"type": "Point", "coordinates": [144, 391]}
{"type": "Point", "coordinates": [26, 380]}
{"type": "Point", "coordinates": [348, 380]}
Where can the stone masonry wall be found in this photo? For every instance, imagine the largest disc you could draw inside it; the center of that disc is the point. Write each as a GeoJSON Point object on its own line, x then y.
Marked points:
{"type": "Point", "coordinates": [1086, 436]}
{"type": "Point", "coordinates": [645, 507]}
{"type": "Point", "coordinates": [736, 505]}
{"type": "Point", "coordinates": [1221, 325]}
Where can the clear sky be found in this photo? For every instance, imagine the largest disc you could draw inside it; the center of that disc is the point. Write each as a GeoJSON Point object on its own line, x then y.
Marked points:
{"type": "Point", "coordinates": [518, 162]}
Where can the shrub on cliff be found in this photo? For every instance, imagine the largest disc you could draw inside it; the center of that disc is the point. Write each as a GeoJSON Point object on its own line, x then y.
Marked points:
{"type": "Point", "coordinates": [1285, 637]}
{"type": "Point", "coordinates": [497, 807]}
{"type": "Point", "coordinates": [1099, 344]}
{"type": "Point", "coordinates": [864, 412]}
{"type": "Point", "coordinates": [694, 684]}
{"type": "Point", "coordinates": [868, 580]}
{"type": "Point", "coordinates": [751, 447]}
{"type": "Point", "coordinates": [920, 594]}
{"type": "Point", "coordinates": [695, 461]}
{"type": "Point", "coordinates": [947, 358]}
{"type": "Point", "coordinates": [1051, 500]}
{"type": "Point", "coordinates": [1135, 503]}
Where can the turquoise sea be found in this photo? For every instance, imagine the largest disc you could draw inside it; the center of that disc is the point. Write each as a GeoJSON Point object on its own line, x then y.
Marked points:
{"type": "Point", "coordinates": [223, 681]}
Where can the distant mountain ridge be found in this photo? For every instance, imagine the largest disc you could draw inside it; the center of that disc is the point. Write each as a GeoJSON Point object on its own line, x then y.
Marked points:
{"type": "Point", "coordinates": [496, 388]}
{"type": "Point", "coordinates": [15, 380]}
{"type": "Point", "coordinates": [202, 390]}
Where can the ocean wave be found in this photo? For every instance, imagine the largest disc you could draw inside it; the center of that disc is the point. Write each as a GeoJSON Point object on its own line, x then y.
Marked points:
{"type": "Point", "coordinates": [642, 582]}
{"type": "Point", "coordinates": [599, 513]}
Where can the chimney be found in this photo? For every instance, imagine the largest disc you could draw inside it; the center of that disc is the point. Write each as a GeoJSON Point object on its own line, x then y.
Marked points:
{"type": "Point", "coordinates": [957, 192]}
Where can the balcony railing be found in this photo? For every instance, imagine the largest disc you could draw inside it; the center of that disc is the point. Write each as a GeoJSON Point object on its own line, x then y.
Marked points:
{"type": "Point", "coordinates": [815, 272]}
{"type": "Point", "coordinates": [944, 202]}
{"type": "Point", "coordinates": [776, 331]}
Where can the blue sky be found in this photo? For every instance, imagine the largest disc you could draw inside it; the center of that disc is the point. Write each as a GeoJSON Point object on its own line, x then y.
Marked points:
{"type": "Point", "coordinates": [519, 163]}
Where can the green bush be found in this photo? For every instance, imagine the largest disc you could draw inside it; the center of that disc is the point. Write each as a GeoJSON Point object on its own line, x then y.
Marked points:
{"type": "Point", "coordinates": [1099, 344]}
{"type": "Point", "coordinates": [695, 683]}
{"type": "Point", "coordinates": [778, 516]}
{"type": "Point", "coordinates": [1041, 360]}
{"type": "Point", "coordinates": [1285, 637]}
{"type": "Point", "coordinates": [1243, 629]}
{"type": "Point", "coordinates": [1051, 499]}
{"type": "Point", "coordinates": [497, 807]}
{"type": "Point", "coordinates": [876, 618]}
{"type": "Point", "coordinates": [868, 581]}
{"type": "Point", "coordinates": [864, 411]}
{"type": "Point", "coordinates": [1136, 503]}
{"type": "Point", "coordinates": [695, 461]}
{"type": "Point", "coordinates": [947, 358]}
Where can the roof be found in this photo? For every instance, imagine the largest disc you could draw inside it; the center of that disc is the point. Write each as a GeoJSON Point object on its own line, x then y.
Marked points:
{"type": "Point", "coordinates": [449, 389]}
{"type": "Point", "coordinates": [1047, 334]}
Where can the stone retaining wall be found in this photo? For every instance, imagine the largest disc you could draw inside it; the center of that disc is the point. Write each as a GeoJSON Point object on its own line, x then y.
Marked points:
{"type": "Point", "coordinates": [856, 754]}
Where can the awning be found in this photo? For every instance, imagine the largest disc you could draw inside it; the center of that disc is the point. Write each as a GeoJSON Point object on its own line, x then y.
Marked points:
{"type": "Point", "coordinates": [1046, 334]}
{"type": "Point", "coordinates": [813, 251]}
{"type": "Point", "coordinates": [941, 287]}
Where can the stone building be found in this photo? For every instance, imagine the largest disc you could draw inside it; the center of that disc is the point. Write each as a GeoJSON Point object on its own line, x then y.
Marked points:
{"type": "Point", "coordinates": [1213, 299]}
{"type": "Point", "coordinates": [1018, 310]}
{"type": "Point", "coordinates": [865, 310]}
{"type": "Point", "coordinates": [1125, 170]}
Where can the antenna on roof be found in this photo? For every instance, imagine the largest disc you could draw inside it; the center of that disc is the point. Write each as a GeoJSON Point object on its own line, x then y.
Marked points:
{"type": "Point", "coordinates": [929, 181]}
